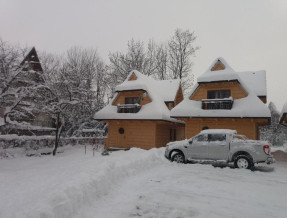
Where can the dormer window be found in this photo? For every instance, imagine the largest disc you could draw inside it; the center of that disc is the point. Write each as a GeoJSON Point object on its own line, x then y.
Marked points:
{"type": "Point", "coordinates": [132, 100]}
{"type": "Point", "coordinates": [218, 94]}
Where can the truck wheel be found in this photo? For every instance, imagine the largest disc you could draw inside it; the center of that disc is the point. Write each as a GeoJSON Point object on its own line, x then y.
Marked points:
{"type": "Point", "coordinates": [178, 157]}
{"type": "Point", "coordinates": [243, 162]}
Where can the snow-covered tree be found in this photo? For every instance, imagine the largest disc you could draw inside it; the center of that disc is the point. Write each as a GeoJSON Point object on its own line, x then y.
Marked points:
{"type": "Point", "coordinates": [19, 83]}
{"type": "Point", "coordinates": [274, 133]}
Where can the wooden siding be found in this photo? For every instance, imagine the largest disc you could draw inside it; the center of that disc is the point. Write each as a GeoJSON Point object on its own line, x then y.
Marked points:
{"type": "Point", "coordinates": [218, 66]}
{"type": "Point", "coordinates": [235, 88]}
{"type": "Point", "coordinates": [133, 77]}
{"type": "Point", "coordinates": [141, 134]}
{"type": "Point", "coordinates": [244, 126]}
{"type": "Point", "coordinates": [283, 119]}
{"type": "Point", "coordinates": [179, 96]}
{"type": "Point", "coordinates": [120, 99]}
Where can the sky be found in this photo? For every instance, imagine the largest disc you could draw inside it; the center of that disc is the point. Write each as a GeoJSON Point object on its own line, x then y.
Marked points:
{"type": "Point", "coordinates": [250, 35]}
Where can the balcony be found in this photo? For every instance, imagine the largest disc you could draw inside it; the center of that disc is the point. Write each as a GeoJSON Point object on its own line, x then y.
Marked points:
{"type": "Point", "coordinates": [128, 108]}
{"type": "Point", "coordinates": [217, 104]}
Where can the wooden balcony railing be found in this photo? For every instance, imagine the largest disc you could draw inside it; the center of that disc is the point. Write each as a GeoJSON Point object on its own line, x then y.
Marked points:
{"type": "Point", "coordinates": [217, 104]}
{"type": "Point", "coordinates": [128, 108]}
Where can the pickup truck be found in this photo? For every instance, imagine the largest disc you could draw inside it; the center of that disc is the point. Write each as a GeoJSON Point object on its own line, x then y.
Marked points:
{"type": "Point", "coordinates": [220, 145]}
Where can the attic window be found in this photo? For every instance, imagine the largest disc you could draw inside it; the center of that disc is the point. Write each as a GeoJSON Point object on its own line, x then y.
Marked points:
{"type": "Point", "coordinates": [218, 66]}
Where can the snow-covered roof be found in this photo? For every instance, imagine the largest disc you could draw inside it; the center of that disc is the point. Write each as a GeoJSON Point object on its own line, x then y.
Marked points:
{"type": "Point", "coordinates": [217, 131]}
{"type": "Point", "coordinates": [158, 91]}
{"type": "Point", "coordinates": [255, 80]}
{"type": "Point", "coordinates": [250, 106]}
{"type": "Point", "coordinates": [167, 89]}
{"type": "Point", "coordinates": [227, 74]}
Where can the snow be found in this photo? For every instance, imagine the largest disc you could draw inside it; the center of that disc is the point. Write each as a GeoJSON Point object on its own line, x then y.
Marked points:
{"type": "Point", "coordinates": [158, 91]}
{"type": "Point", "coordinates": [136, 183]}
{"type": "Point", "coordinates": [2, 121]}
{"type": "Point", "coordinates": [216, 131]}
{"type": "Point", "coordinates": [256, 80]}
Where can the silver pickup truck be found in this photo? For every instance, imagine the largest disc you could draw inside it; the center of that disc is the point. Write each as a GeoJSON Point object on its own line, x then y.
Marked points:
{"type": "Point", "coordinates": [220, 145]}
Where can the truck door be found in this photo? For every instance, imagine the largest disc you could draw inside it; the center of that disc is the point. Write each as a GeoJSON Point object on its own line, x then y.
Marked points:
{"type": "Point", "coordinates": [198, 147]}
{"type": "Point", "coordinates": [218, 148]}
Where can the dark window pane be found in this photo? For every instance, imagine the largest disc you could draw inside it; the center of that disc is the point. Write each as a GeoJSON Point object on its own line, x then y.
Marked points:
{"type": "Point", "coordinates": [201, 138]}
{"type": "Point", "coordinates": [211, 95]}
{"type": "Point", "coordinates": [217, 137]}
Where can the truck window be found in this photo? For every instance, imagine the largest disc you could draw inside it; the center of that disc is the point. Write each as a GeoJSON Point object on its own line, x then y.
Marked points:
{"type": "Point", "coordinates": [201, 138]}
{"type": "Point", "coordinates": [216, 137]}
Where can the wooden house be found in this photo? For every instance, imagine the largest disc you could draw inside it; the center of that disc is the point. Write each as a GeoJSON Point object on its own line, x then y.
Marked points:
{"type": "Point", "coordinates": [225, 99]}
{"type": "Point", "coordinates": [283, 117]}
{"type": "Point", "coordinates": [139, 113]}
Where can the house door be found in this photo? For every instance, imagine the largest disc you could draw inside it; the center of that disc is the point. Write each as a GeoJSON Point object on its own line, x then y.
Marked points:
{"type": "Point", "coordinates": [121, 137]}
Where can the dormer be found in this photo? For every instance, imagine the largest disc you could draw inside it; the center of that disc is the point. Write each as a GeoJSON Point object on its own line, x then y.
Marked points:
{"type": "Point", "coordinates": [131, 101]}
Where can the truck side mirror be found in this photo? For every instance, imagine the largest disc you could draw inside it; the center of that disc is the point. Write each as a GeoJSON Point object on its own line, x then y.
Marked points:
{"type": "Point", "coordinates": [190, 141]}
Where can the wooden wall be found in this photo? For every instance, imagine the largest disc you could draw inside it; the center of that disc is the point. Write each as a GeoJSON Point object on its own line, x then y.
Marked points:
{"type": "Point", "coordinates": [235, 88]}
{"type": "Point", "coordinates": [179, 96]}
{"type": "Point", "coordinates": [142, 134]}
{"type": "Point", "coordinates": [244, 126]}
{"type": "Point", "coordinates": [120, 99]}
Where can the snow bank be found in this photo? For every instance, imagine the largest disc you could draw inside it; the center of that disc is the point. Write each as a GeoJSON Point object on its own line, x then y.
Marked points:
{"type": "Point", "coordinates": [59, 186]}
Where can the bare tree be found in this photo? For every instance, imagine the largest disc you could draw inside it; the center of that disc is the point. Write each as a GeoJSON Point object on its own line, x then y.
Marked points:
{"type": "Point", "coordinates": [181, 48]}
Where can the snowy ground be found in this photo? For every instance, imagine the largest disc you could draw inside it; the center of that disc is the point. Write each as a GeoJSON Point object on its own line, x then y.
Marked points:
{"type": "Point", "coordinates": [136, 183]}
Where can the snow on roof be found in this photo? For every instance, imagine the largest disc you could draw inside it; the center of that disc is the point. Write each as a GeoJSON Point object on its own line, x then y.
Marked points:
{"type": "Point", "coordinates": [158, 91]}
{"type": "Point", "coordinates": [250, 106]}
{"type": "Point", "coordinates": [255, 80]}
{"type": "Point", "coordinates": [217, 131]}
{"type": "Point", "coordinates": [227, 74]}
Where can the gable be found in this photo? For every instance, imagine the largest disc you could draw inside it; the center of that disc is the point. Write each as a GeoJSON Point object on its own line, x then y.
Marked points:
{"type": "Point", "coordinates": [218, 66]}
{"type": "Point", "coordinates": [132, 77]}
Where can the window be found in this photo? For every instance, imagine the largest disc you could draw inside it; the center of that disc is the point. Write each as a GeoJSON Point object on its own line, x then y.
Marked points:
{"type": "Point", "coordinates": [121, 130]}
{"type": "Point", "coordinates": [201, 138]}
{"type": "Point", "coordinates": [218, 94]}
{"type": "Point", "coordinates": [132, 100]}
{"type": "Point", "coordinates": [216, 137]}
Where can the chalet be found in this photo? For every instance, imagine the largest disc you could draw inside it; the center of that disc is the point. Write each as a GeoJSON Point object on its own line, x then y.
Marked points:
{"type": "Point", "coordinates": [38, 124]}
{"type": "Point", "coordinates": [225, 99]}
{"type": "Point", "coordinates": [283, 117]}
{"type": "Point", "coordinates": [139, 113]}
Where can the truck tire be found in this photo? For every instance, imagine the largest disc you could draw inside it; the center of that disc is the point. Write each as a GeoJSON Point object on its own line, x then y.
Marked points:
{"type": "Point", "coordinates": [243, 162]}
{"type": "Point", "coordinates": [178, 157]}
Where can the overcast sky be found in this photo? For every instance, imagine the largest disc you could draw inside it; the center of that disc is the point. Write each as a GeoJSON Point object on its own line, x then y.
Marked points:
{"type": "Point", "coordinates": [248, 34]}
